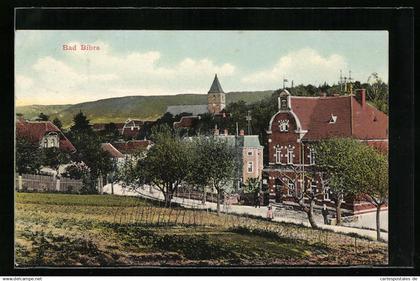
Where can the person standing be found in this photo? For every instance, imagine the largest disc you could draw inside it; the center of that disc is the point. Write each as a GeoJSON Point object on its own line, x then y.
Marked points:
{"type": "Point", "coordinates": [325, 213]}
{"type": "Point", "coordinates": [270, 213]}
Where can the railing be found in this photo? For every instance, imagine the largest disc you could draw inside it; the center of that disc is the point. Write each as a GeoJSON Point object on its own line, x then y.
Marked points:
{"type": "Point", "coordinates": [42, 183]}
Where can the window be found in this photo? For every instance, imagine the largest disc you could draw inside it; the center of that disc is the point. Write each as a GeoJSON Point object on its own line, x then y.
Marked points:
{"type": "Point", "coordinates": [326, 193]}
{"type": "Point", "coordinates": [313, 187]}
{"type": "Point", "coordinates": [289, 156]}
{"type": "Point", "coordinates": [278, 155]}
{"type": "Point", "coordinates": [45, 142]}
{"type": "Point", "coordinates": [283, 103]}
{"type": "Point", "coordinates": [312, 156]}
{"type": "Point", "coordinates": [250, 167]}
{"type": "Point", "coordinates": [290, 188]}
{"type": "Point", "coordinates": [333, 119]}
{"type": "Point", "coordinates": [250, 153]}
{"type": "Point", "coordinates": [284, 125]}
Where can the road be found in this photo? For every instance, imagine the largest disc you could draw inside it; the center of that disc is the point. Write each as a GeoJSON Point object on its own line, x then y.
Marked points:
{"type": "Point", "coordinates": [282, 215]}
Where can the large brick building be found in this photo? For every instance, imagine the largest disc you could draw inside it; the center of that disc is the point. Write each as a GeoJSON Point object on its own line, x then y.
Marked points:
{"type": "Point", "coordinates": [301, 121]}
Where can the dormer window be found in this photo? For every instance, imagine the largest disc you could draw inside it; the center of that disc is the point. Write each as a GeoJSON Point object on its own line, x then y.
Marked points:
{"type": "Point", "coordinates": [333, 119]}
{"type": "Point", "coordinates": [284, 125]}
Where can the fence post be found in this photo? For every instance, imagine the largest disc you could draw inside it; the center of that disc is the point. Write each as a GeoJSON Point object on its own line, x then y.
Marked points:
{"type": "Point", "coordinates": [57, 185]}
{"type": "Point", "coordinates": [19, 182]}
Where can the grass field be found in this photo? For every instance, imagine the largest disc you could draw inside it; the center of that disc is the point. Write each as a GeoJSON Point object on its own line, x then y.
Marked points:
{"type": "Point", "coordinates": [106, 230]}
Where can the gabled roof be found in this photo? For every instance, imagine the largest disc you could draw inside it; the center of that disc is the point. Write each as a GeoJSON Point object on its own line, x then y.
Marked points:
{"type": "Point", "coordinates": [185, 122]}
{"type": "Point", "coordinates": [194, 109]}
{"type": "Point", "coordinates": [132, 146]}
{"type": "Point", "coordinates": [111, 150]}
{"type": "Point", "coordinates": [215, 86]}
{"type": "Point", "coordinates": [351, 118]}
{"type": "Point", "coordinates": [34, 131]}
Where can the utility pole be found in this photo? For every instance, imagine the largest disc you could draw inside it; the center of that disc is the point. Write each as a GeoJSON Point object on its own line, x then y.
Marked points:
{"type": "Point", "coordinates": [248, 119]}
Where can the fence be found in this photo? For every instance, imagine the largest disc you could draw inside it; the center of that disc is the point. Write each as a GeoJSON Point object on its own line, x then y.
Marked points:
{"type": "Point", "coordinates": [42, 183]}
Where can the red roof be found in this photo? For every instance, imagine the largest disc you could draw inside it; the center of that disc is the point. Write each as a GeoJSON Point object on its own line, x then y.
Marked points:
{"type": "Point", "coordinates": [35, 130]}
{"type": "Point", "coordinates": [185, 122]}
{"type": "Point", "coordinates": [351, 119]}
{"type": "Point", "coordinates": [132, 146]}
{"type": "Point", "coordinates": [111, 150]}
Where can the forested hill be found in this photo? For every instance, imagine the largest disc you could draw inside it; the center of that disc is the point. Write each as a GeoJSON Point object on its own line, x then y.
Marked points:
{"type": "Point", "coordinates": [121, 108]}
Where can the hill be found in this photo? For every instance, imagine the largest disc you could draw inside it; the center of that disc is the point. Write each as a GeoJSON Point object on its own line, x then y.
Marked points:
{"type": "Point", "coordinates": [138, 107]}
{"type": "Point", "coordinates": [30, 111]}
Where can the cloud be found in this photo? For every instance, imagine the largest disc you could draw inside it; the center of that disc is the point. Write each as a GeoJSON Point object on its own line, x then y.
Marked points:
{"type": "Point", "coordinates": [304, 66]}
{"type": "Point", "coordinates": [89, 75]}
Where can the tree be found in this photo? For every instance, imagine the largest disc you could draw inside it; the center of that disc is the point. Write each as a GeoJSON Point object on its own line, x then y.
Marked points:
{"type": "Point", "coordinates": [58, 123]}
{"type": "Point", "coordinates": [89, 149]}
{"type": "Point", "coordinates": [167, 164]}
{"type": "Point", "coordinates": [110, 132]}
{"type": "Point", "coordinates": [337, 158]}
{"type": "Point", "coordinates": [306, 192]}
{"type": "Point", "coordinates": [377, 92]}
{"type": "Point", "coordinates": [42, 117]}
{"type": "Point", "coordinates": [81, 124]}
{"type": "Point", "coordinates": [28, 156]}
{"type": "Point", "coordinates": [215, 165]}
{"type": "Point", "coordinates": [53, 157]}
{"type": "Point", "coordinates": [372, 177]}
{"type": "Point", "coordinates": [252, 185]}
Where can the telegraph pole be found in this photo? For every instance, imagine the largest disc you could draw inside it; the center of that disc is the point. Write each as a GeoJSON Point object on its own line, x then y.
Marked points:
{"type": "Point", "coordinates": [248, 119]}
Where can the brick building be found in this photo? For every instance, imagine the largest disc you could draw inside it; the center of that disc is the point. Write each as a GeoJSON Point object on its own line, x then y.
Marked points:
{"type": "Point", "coordinates": [301, 121]}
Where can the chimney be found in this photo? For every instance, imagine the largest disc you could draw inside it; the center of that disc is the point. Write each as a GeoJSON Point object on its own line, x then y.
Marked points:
{"type": "Point", "coordinates": [242, 133]}
{"type": "Point", "coordinates": [361, 97]}
{"type": "Point", "coordinates": [225, 132]}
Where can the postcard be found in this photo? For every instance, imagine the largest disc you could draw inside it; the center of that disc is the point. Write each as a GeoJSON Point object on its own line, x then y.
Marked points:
{"type": "Point", "coordinates": [139, 148]}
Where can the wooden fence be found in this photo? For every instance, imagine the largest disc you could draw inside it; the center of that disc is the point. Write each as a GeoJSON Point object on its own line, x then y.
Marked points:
{"type": "Point", "coordinates": [42, 183]}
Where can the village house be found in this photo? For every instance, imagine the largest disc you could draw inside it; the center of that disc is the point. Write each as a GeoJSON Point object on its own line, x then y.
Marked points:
{"type": "Point", "coordinates": [44, 133]}
{"type": "Point", "coordinates": [129, 148]}
{"type": "Point", "coordinates": [302, 121]}
{"type": "Point", "coordinates": [129, 129]}
{"type": "Point", "coordinates": [249, 153]}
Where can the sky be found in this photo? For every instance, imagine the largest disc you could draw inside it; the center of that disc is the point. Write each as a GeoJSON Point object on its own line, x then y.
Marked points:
{"type": "Point", "coordinates": [174, 62]}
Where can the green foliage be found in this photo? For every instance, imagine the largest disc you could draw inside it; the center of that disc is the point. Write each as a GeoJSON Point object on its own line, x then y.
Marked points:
{"type": "Point", "coordinates": [353, 167]}
{"type": "Point", "coordinates": [215, 162]}
{"type": "Point", "coordinates": [338, 158]}
{"type": "Point", "coordinates": [252, 185]}
{"type": "Point", "coordinates": [110, 133]}
{"type": "Point", "coordinates": [53, 157]}
{"type": "Point", "coordinates": [371, 174]}
{"type": "Point", "coordinates": [28, 156]}
{"type": "Point", "coordinates": [58, 123]}
{"type": "Point", "coordinates": [89, 149]}
{"type": "Point", "coordinates": [167, 163]}
{"type": "Point", "coordinates": [42, 117]}
{"type": "Point", "coordinates": [121, 108]}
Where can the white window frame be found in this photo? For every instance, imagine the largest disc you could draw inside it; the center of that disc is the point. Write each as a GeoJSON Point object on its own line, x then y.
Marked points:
{"type": "Point", "coordinates": [250, 166]}
{"type": "Point", "coordinates": [290, 186]}
{"type": "Point", "coordinates": [312, 156]}
{"type": "Point", "coordinates": [278, 155]}
{"type": "Point", "coordinates": [327, 193]}
{"type": "Point", "coordinates": [284, 125]}
{"type": "Point", "coordinates": [289, 156]}
{"type": "Point", "coordinates": [314, 186]}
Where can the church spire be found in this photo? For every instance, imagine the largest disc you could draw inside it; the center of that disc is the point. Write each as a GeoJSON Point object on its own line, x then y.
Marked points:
{"type": "Point", "coordinates": [215, 86]}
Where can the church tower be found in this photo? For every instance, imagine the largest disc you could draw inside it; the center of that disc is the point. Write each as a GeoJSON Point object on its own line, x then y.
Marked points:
{"type": "Point", "coordinates": [216, 99]}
